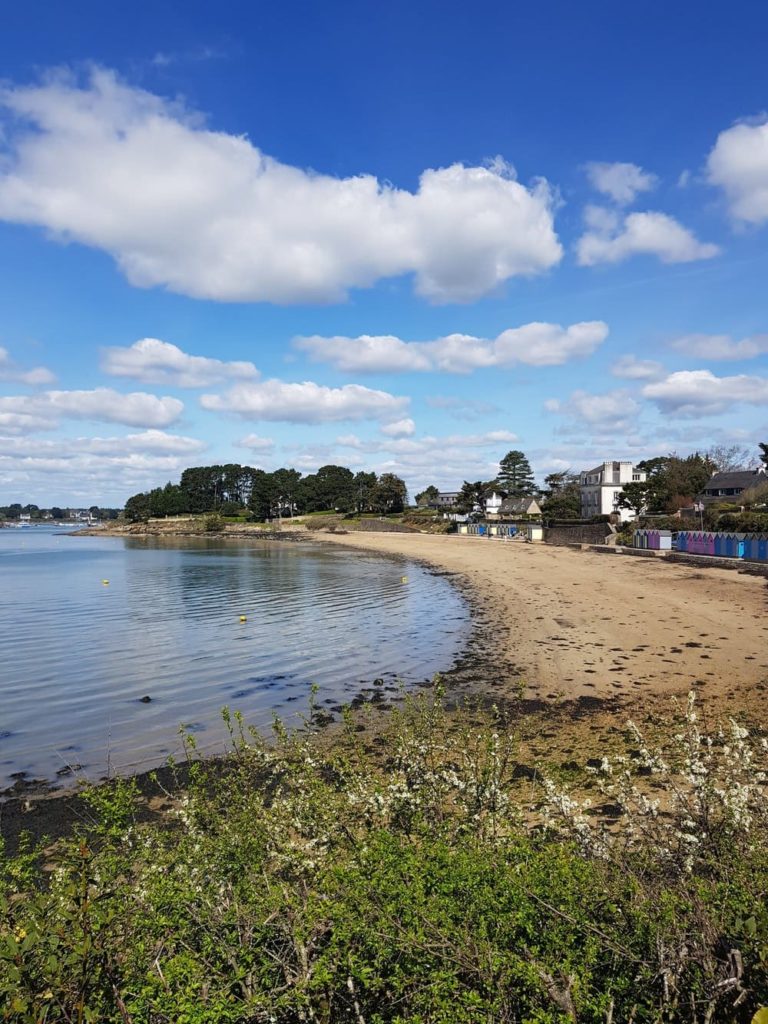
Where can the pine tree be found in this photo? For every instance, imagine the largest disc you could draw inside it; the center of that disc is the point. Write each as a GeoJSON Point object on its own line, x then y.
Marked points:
{"type": "Point", "coordinates": [516, 475]}
{"type": "Point", "coordinates": [763, 453]}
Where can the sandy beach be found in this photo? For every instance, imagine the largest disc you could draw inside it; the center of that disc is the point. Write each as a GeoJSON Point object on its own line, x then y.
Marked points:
{"type": "Point", "coordinates": [573, 624]}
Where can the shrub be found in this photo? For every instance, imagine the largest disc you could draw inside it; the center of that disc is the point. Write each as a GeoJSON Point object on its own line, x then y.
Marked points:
{"type": "Point", "coordinates": [300, 883]}
{"type": "Point", "coordinates": [213, 522]}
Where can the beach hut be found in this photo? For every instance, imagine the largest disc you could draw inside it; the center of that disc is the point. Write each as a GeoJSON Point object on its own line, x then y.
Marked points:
{"type": "Point", "coordinates": [534, 532]}
{"type": "Point", "coordinates": [756, 547]}
{"type": "Point", "coordinates": [663, 540]}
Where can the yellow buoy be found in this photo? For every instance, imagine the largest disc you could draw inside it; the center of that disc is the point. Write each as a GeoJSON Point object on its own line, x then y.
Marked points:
{"type": "Point", "coordinates": [403, 579]}
{"type": "Point", "coordinates": [105, 582]}
{"type": "Point", "coordinates": [243, 618]}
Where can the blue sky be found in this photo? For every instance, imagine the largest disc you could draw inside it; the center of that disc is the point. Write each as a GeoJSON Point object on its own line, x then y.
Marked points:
{"type": "Point", "coordinates": [402, 237]}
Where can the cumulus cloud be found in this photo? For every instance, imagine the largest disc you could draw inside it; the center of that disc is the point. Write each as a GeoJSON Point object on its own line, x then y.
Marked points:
{"type": "Point", "coordinates": [534, 344]}
{"type": "Point", "coordinates": [305, 402]}
{"type": "Point", "coordinates": [611, 240]}
{"type": "Point", "coordinates": [152, 361]}
{"type": "Point", "coordinates": [622, 182]}
{"type": "Point", "coordinates": [256, 443]}
{"type": "Point", "coordinates": [207, 214]}
{"type": "Point", "coordinates": [721, 346]}
{"type": "Point", "coordinates": [400, 428]}
{"type": "Point", "coordinates": [9, 370]}
{"type": "Point", "coordinates": [738, 163]}
{"type": "Point", "coordinates": [42, 411]}
{"type": "Point", "coordinates": [629, 367]}
{"type": "Point", "coordinates": [611, 411]}
{"type": "Point", "coordinates": [701, 393]}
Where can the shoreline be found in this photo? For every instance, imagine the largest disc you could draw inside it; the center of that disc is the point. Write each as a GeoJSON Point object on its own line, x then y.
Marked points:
{"type": "Point", "coordinates": [53, 806]}
{"type": "Point", "coordinates": [557, 664]}
{"type": "Point", "coordinates": [533, 643]}
{"type": "Point", "coordinates": [559, 614]}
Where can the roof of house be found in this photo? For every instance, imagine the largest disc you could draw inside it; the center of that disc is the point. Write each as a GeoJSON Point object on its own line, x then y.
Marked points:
{"type": "Point", "coordinates": [742, 478]}
{"type": "Point", "coordinates": [518, 505]}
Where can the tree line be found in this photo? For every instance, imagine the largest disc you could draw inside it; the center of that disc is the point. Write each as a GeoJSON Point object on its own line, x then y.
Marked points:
{"type": "Point", "coordinates": [16, 510]}
{"type": "Point", "coordinates": [559, 497]}
{"type": "Point", "coordinates": [233, 489]}
{"type": "Point", "coordinates": [672, 482]}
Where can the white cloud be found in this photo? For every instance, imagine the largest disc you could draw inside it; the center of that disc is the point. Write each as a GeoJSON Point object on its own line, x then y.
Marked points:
{"type": "Point", "coordinates": [42, 411]}
{"type": "Point", "coordinates": [400, 428]}
{"type": "Point", "coordinates": [366, 354]}
{"type": "Point", "coordinates": [305, 402]}
{"type": "Point", "coordinates": [149, 442]}
{"type": "Point", "coordinates": [15, 420]}
{"type": "Point", "coordinates": [428, 445]}
{"type": "Point", "coordinates": [9, 370]}
{"type": "Point", "coordinates": [738, 163]}
{"type": "Point", "coordinates": [609, 412]}
{"type": "Point", "coordinates": [650, 234]}
{"type": "Point", "coordinates": [534, 344]}
{"type": "Point", "coordinates": [621, 182]}
{"type": "Point", "coordinates": [84, 470]}
{"type": "Point", "coordinates": [629, 367]}
{"type": "Point", "coordinates": [256, 443]}
{"type": "Point", "coordinates": [701, 393]}
{"type": "Point", "coordinates": [152, 361]}
{"type": "Point", "coordinates": [208, 215]}
{"type": "Point", "coordinates": [721, 346]}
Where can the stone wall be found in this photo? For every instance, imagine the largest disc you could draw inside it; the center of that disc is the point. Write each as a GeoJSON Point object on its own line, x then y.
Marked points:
{"type": "Point", "coordinates": [378, 526]}
{"type": "Point", "coordinates": [579, 533]}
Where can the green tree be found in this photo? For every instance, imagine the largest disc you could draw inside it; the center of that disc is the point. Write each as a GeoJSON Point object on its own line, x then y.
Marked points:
{"type": "Point", "coordinates": [285, 488]}
{"type": "Point", "coordinates": [516, 475]}
{"type": "Point", "coordinates": [673, 482]}
{"type": "Point", "coordinates": [137, 508]}
{"type": "Point", "coordinates": [471, 496]}
{"type": "Point", "coordinates": [390, 493]}
{"type": "Point", "coordinates": [200, 488]}
{"type": "Point", "coordinates": [427, 495]}
{"type": "Point", "coordinates": [330, 488]}
{"type": "Point", "coordinates": [365, 485]}
{"type": "Point", "coordinates": [261, 495]}
{"type": "Point", "coordinates": [57, 513]}
{"type": "Point", "coordinates": [763, 446]}
{"type": "Point", "coordinates": [562, 496]}
{"type": "Point", "coordinates": [634, 496]}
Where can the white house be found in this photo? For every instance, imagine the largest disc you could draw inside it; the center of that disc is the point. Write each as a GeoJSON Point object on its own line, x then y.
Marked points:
{"type": "Point", "coordinates": [444, 499]}
{"type": "Point", "coordinates": [493, 502]}
{"type": "Point", "coordinates": [600, 489]}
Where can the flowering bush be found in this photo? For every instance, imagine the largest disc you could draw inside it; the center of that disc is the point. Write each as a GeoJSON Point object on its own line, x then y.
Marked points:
{"type": "Point", "coordinates": [401, 876]}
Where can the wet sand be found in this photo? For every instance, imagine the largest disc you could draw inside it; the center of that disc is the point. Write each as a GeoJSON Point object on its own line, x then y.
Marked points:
{"type": "Point", "coordinates": [576, 624]}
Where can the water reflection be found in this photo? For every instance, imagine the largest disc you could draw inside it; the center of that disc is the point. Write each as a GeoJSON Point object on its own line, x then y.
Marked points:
{"type": "Point", "coordinates": [77, 655]}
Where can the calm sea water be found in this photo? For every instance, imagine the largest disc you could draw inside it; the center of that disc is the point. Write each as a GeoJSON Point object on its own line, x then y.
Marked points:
{"type": "Point", "coordinates": [77, 656]}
